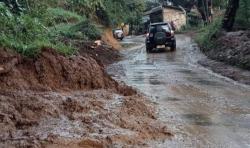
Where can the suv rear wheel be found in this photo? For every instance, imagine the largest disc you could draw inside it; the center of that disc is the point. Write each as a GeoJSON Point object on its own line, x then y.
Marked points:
{"type": "Point", "coordinates": [149, 49]}
{"type": "Point", "coordinates": [173, 46]}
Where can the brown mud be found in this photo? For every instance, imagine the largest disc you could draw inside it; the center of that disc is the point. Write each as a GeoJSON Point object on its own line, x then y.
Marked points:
{"type": "Point", "coordinates": [52, 71]}
{"type": "Point", "coordinates": [108, 38]}
{"type": "Point", "coordinates": [81, 119]}
{"type": "Point", "coordinates": [57, 101]}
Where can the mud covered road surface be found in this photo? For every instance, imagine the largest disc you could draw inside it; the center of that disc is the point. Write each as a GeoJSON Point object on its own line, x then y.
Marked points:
{"type": "Point", "coordinates": [201, 108]}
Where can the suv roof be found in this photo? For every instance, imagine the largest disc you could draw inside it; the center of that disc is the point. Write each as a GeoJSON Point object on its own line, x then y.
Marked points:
{"type": "Point", "coordinates": [159, 23]}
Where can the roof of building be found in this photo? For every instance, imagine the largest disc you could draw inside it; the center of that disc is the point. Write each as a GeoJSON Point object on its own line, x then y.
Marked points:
{"type": "Point", "coordinates": [159, 23]}
{"type": "Point", "coordinates": [159, 8]}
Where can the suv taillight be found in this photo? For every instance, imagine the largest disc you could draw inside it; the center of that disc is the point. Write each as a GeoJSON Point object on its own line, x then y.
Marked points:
{"type": "Point", "coordinates": [168, 34]}
{"type": "Point", "coordinates": [172, 33]}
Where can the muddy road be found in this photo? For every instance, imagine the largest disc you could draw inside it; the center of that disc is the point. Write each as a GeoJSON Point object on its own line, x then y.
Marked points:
{"type": "Point", "coordinates": [201, 108]}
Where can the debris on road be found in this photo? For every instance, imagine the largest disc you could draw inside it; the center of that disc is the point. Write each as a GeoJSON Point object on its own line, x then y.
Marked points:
{"type": "Point", "coordinates": [57, 101]}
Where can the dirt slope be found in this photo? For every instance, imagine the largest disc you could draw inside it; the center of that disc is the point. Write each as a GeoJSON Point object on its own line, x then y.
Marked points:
{"type": "Point", "coordinates": [50, 71]}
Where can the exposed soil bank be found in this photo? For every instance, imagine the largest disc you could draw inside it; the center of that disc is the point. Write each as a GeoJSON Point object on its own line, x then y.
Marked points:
{"type": "Point", "coordinates": [108, 38]}
{"type": "Point", "coordinates": [51, 71]}
{"type": "Point", "coordinates": [231, 56]}
{"type": "Point", "coordinates": [57, 101]}
{"type": "Point", "coordinates": [232, 48]}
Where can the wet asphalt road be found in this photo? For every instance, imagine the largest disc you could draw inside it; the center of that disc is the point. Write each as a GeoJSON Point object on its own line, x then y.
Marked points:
{"type": "Point", "coordinates": [200, 108]}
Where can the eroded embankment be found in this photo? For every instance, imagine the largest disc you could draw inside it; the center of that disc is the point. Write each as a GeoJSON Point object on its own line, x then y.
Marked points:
{"type": "Point", "coordinates": [231, 56]}
{"type": "Point", "coordinates": [58, 101]}
{"type": "Point", "coordinates": [232, 48]}
{"type": "Point", "coordinates": [51, 71]}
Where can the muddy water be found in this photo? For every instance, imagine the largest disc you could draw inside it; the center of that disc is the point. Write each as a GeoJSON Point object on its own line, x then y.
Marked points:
{"type": "Point", "coordinates": [201, 108]}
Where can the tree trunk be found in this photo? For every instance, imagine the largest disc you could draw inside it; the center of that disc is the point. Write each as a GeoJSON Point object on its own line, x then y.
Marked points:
{"type": "Point", "coordinates": [205, 9]}
{"type": "Point", "coordinates": [230, 14]}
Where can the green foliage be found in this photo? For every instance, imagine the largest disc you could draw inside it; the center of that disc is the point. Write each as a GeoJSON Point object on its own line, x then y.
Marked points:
{"type": "Point", "coordinates": [205, 34]}
{"type": "Point", "coordinates": [85, 7]}
{"type": "Point", "coordinates": [46, 23]}
{"type": "Point", "coordinates": [86, 29]}
{"type": "Point", "coordinates": [220, 3]}
{"type": "Point", "coordinates": [19, 32]}
{"type": "Point", "coordinates": [243, 14]}
{"type": "Point", "coordinates": [124, 11]}
{"type": "Point", "coordinates": [59, 15]}
{"type": "Point", "coordinates": [25, 34]}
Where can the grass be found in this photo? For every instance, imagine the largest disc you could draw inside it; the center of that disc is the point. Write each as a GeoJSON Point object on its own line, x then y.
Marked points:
{"type": "Point", "coordinates": [206, 34]}
{"type": "Point", "coordinates": [28, 34]}
{"type": "Point", "coordinates": [84, 30]}
{"type": "Point", "coordinates": [59, 15]}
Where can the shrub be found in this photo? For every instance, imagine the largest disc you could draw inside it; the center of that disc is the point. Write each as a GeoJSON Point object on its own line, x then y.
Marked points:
{"type": "Point", "coordinates": [243, 14]}
{"type": "Point", "coordinates": [84, 30]}
{"type": "Point", "coordinates": [26, 34]}
{"type": "Point", "coordinates": [59, 15]}
{"type": "Point", "coordinates": [19, 32]}
{"type": "Point", "coordinates": [88, 29]}
{"type": "Point", "coordinates": [205, 34]}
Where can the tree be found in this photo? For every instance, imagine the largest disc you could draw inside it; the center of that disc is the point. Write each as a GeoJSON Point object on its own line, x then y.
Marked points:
{"type": "Point", "coordinates": [230, 14]}
{"type": "Point", "coordinates": [13, 5]}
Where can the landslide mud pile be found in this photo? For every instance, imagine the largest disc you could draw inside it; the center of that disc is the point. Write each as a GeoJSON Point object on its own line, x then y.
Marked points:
{"type": "Point", "coordinates": [58, 101]}
{"type": "Point", "coordinates": [50, 71]}
{"type": "Point", "coordinates": [77, 119]}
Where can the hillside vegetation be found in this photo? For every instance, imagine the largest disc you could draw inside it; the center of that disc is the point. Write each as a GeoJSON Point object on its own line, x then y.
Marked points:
{"type": "Point", "coordinates": [227, 38]}
{"type": "Point", "coordinates": [241, 21]}
{"type": "Point", "coordinates": [27, 26]}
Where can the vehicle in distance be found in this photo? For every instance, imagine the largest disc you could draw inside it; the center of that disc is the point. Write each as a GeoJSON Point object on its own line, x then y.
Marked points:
{"type": "Point", "coordinates": [118, 34]}
{"type": "Point", "coordinates": [160, 35]}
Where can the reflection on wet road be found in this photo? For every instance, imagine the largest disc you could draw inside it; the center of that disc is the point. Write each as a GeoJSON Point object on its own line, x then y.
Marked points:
{"type": "Point", "coordinates": [202, 109]}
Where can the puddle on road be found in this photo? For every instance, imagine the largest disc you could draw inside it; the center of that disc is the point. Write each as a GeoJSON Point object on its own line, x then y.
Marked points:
{"type": "Point", "coordinates": [205, 82]}
{"type": "Point", "coordinates": [188, 90]}
{"type": "Point", "coordinates": [187, 71]}
{"type": "Point", "coordinates": [173, 99]}
{"type": "Point", "coordinates": [241, 120]}
{"type": "Point", "coordinates": [198, 119]}
{"type": "Point", "coordinates": [155, 82]}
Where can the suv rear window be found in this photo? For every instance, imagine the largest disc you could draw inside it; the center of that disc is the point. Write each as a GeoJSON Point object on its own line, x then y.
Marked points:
{"type": "Point", "coordinates": [166, 28]}
{"type": "Point", "coordinates": [159, 28]}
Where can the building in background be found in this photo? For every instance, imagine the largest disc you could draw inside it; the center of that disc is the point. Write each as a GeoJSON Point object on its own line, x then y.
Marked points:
{"type": "Point", "coordinates": [168, 13]}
